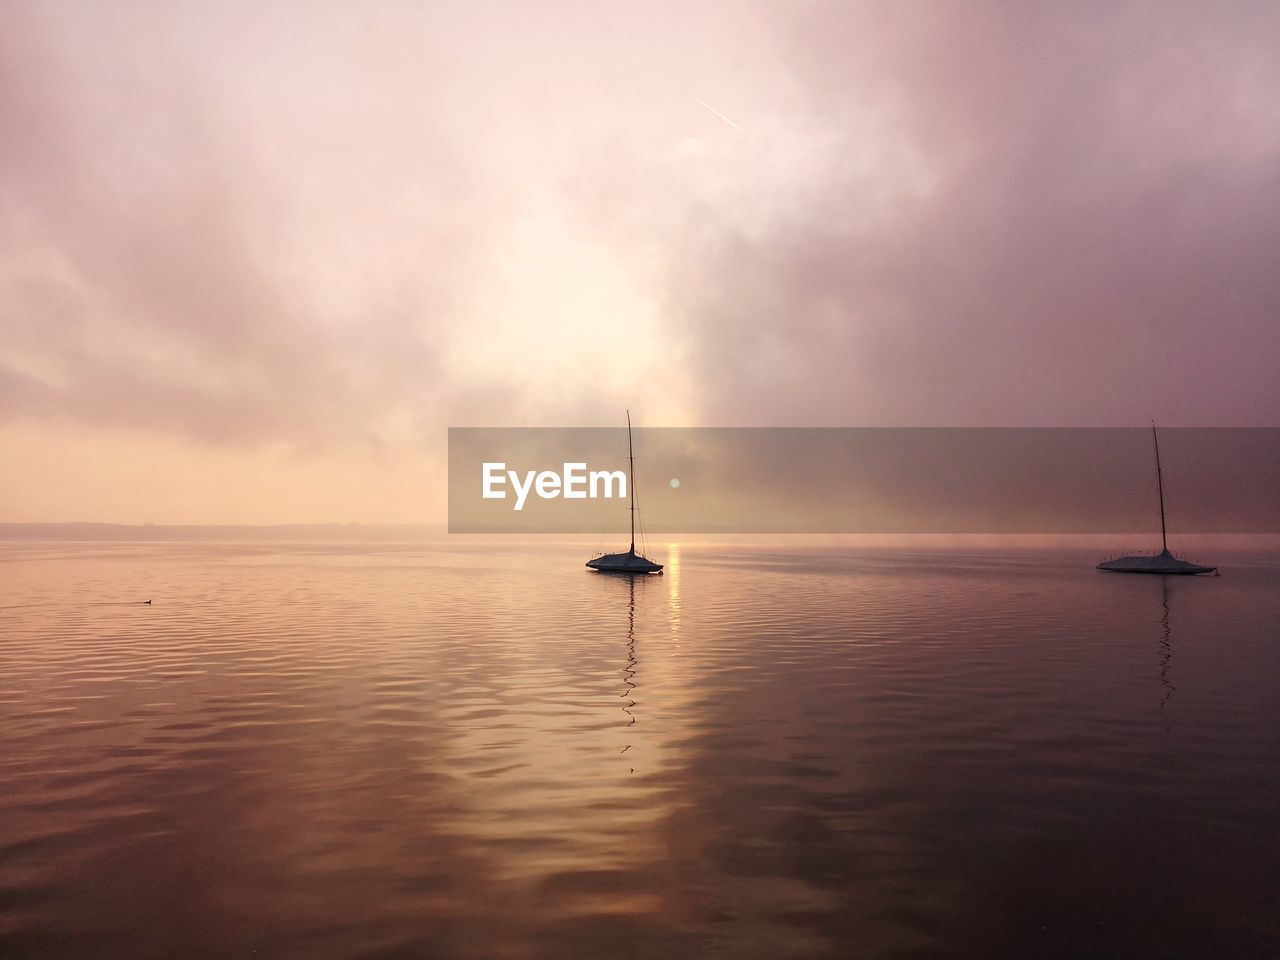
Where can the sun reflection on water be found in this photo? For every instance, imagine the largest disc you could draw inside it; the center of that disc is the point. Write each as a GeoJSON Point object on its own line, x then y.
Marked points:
{"type": "Point", "coordinates": [673, 595]}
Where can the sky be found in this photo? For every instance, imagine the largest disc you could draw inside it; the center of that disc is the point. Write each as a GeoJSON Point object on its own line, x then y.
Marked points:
{"type": "Point", "coordinates": [255, 259]}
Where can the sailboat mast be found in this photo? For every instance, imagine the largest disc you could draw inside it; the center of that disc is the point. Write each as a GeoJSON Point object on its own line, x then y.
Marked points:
{"type": "Point", "coordinates": [1164, 539]}
{"type": "Point", "coordinates": [631, 484]}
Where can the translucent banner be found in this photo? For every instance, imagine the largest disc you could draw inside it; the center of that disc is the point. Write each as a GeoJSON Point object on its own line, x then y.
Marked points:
{"type": "Point", "coordinates": [864, 480]}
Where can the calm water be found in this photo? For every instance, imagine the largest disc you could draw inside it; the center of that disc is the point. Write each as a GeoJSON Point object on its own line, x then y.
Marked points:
{"type": "Point", "coordinates": [488, 751]}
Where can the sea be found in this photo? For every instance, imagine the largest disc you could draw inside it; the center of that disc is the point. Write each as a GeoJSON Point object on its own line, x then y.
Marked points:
{"type": "Point", "coordinates": [485, 750]}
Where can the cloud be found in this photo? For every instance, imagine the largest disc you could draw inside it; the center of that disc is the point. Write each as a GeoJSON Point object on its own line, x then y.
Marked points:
{"type": "Point", "coordinates": [344, 229]}
{"type": "Point", "coordinates": [1073, 227]}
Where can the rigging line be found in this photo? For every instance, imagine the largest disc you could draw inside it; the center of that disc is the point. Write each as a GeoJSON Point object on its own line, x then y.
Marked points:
{"type": "Point", "coordinates": [1175, 534]}
{"type": "Point", "coordinates": [618, 451]}
{"type": "Point", "coordinates": [1131, 541]}
{"type": "Point", "coordinates": [644, 532]}
{"type": "Point", "coordinates": [1132, 533]}
{"type": "Point", "coordinates": [1139, 479]}
{"type": "Point", "coordinates": [639, 517]}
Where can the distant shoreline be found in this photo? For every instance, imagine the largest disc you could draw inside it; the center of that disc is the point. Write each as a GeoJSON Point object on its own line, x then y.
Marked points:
{"type": "Point", "coordinates": [88, 532]}
{"type": "Point", "coordinates": [194, 531]}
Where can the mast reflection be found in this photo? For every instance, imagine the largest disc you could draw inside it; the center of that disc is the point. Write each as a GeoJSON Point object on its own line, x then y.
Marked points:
{"type": "Point", "coordinates": [1166, 651]}
{"type": "Point", "coordinates": [629, 669]}
{"type": "Point", "coordinates": [631, 664]}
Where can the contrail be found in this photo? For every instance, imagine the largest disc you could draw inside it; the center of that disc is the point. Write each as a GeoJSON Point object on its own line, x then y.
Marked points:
{"type": "Point", "coordinates": [718, 114]}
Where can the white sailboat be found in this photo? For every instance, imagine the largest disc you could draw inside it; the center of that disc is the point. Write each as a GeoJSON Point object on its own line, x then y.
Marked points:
{"type": "Point", "coordinates": [1164, 561]}
{"type": "Point", "coordinates": [629, 562]}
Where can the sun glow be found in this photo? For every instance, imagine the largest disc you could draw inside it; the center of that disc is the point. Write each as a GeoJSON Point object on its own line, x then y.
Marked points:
{"type": "Point", "coordinates": [563, 316]}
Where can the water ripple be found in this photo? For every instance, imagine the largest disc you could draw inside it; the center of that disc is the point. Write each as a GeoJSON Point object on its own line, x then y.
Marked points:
{"type": "Point", "coordinates": [399, 750]}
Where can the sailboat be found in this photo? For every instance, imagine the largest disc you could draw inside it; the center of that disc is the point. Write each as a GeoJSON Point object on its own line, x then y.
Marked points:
{"type": "Point", "coordinates": [1164, 561]}
{"type": "Point", "coordinates": [629, 562]}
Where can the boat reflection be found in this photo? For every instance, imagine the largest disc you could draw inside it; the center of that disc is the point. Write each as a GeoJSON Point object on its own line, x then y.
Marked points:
{"type": "Point", "coordinates": [629, 668]}
{"type": "Point", "coordinates": [1166, 651]}
{"type": "Point", "coordinates": [645, 633]}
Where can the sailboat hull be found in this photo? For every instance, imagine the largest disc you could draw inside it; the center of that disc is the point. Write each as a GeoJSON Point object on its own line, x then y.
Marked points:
{"type": "Point", "coordinates": [1162, 563]}
{"type": "Point", "coordinates": [624, 563]}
